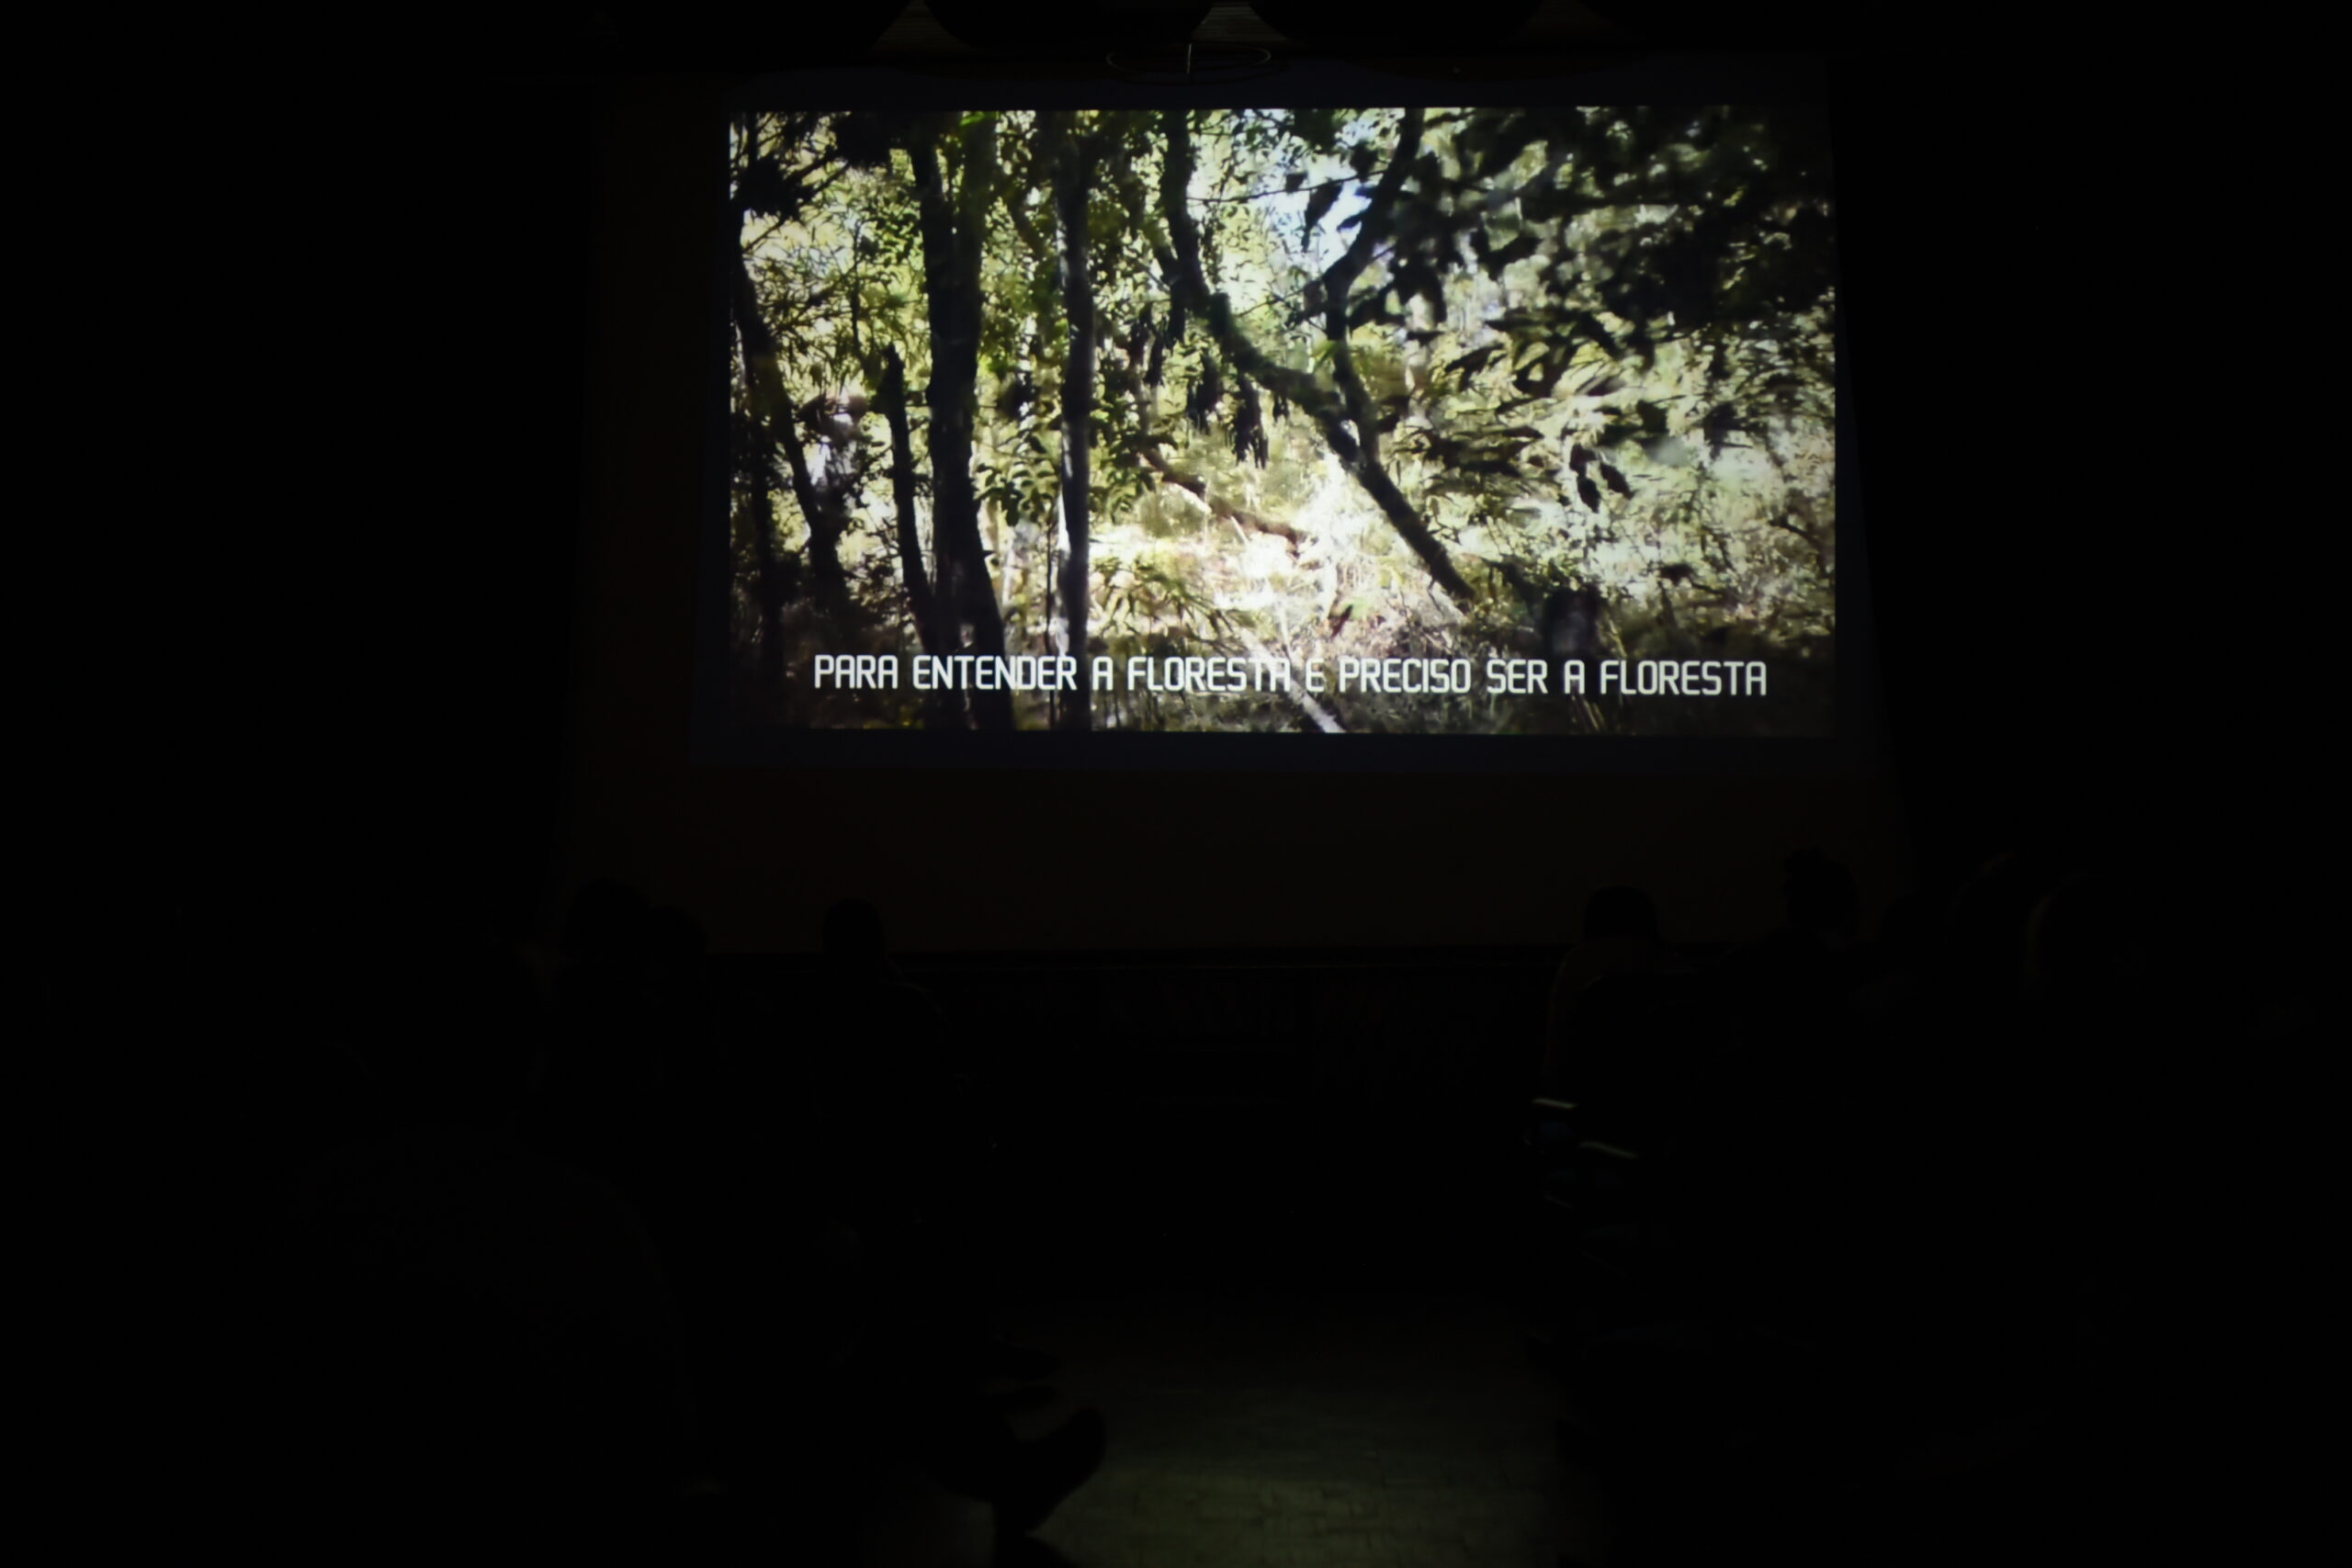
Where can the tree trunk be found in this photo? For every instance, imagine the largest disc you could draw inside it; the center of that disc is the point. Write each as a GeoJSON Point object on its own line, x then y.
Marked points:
{"type": "Point", "coordinates": [1073, 171]}
{"type": "Point", "coordinates": [1347, 421]}
{"type": "Point", "coordinates": [773, 587]}
{"type": "Point", "coordinates": [951, 252]}
{"type": "Point", "coordinates": [920, 603]}
{"type": "Point", "coordinates": [772, 412]}
{"type": "Point", "coordinates": [943, 709]}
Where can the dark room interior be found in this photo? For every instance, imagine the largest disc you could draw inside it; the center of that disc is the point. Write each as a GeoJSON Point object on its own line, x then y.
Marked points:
{"type": "Point", "coordinates": [1859, 1150]}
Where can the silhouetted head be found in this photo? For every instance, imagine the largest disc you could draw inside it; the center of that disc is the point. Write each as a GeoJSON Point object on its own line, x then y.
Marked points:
{"type": "Point", "coordinates": [304, 1098]}
{"type": "Point", "coordinates": [454, 1038]}
{"type": "Point", "coordinates": [676, 942]}
{"type": "Point", "coordinates": [853, 929]}
{"type": "Point", "coordinates": [1819, 896]}
{"type": "Point", "coordinates": [2081, 945]}
{"type": "Point", "coordinates": [1908, 926]}
{"type": "Point", "coordinates": [1620, 914]}
{"type": "Point", "coordinates": [1983, 950]}
{"type": "Point", "coordinates": [607, 926]}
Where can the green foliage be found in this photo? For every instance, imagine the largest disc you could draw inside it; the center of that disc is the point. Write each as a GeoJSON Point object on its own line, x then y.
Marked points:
{"type": "Point", "coordinates": [1596, 346]}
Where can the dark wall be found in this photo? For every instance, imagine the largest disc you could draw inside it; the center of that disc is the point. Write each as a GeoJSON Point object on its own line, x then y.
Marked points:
{"type": "Point", "coordinates": [376, 315]}
{"type": "Point", "coordinates": [549, 307]}
{"type": "Point", "coordinates": [972, 860]}
{"type": "Point", "coordinates": [2081, 558]}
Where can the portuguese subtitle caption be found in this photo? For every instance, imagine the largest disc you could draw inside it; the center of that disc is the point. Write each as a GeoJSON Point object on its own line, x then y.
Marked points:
{"type": "Point", "coordinates": [1211, 676]}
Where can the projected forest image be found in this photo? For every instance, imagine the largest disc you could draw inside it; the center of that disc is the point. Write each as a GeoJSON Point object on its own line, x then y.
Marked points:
{"type": "Point", "coordinates": [1311, 390]}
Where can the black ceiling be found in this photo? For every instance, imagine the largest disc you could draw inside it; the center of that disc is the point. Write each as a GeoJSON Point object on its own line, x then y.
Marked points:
{"type": "Point", "coordinates": [1115, 35]}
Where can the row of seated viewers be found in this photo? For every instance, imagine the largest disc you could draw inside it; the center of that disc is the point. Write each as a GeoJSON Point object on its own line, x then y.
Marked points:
{"type": "Point", "coordinates": [586, 1257]}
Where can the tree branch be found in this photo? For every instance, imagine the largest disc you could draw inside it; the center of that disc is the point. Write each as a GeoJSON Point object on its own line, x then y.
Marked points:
{"type": "Point", "coordinates": [1182, 267]}
{"type": "Point", "coordinates": [1820, 555]}
{"type": "Point", "coordinates": [902, 490]}
{"type": "Point", "coordinates": [772, 412]}
{"type": "Point", "coordinates": [1262, 195]}
{"type": "Point", "coordinates": [1316, 713]}
{"type": "Point", "coordinates": [952, 230]}
{"type": "Point", "coordinates": [1073, 162]}
{"type": "Point", "coordinates": [1198, 490]}
{"type": "Point", "coordinates": [1341, 275]}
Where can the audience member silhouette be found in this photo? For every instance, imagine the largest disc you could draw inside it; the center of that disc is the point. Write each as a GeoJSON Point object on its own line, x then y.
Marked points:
{"type": "Point", "coordinates": [605, 1103]}
{"type": "Point", "coordinates": [477, 1344]}
{"type": "Point", "coordinates": [1620, 942]}
{"type": "Point", "coordinates": [1890, 977]}
{"type": "Point", "coordinates": [1868, 1247]}
{"type": "Point", "coordinates": [690, 1009]}
{"type": "Point", "coordinates": [1820, 899]}
{"type": "Point", "coordinates": [1886, 1191]}
{"type": "Point", "coordinates": [1982, 949]}
{"type": "Point", "coordinates": [837, 1198]}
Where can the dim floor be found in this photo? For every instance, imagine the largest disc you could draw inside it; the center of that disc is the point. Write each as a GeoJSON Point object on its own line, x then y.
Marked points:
{"type": "Point", "coordinates": [1320, 1361]}
{"type": "Point", "coordinates": [1248, 1426]}
{"type": "Point", "coordinates": [1305, 1354]}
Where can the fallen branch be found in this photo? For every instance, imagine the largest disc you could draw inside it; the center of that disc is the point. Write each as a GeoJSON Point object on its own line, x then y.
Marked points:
{"type": "Point", "coordinates": [1315, 711]}
{"type": "Point", "coordinates": [1199, 491]}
